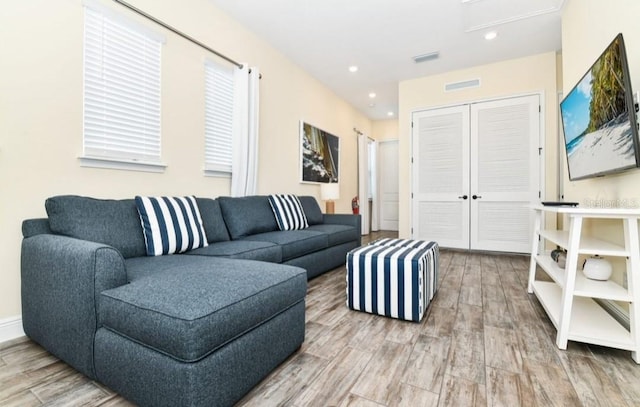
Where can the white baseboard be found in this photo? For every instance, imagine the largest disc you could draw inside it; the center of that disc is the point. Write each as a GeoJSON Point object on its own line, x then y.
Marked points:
{"type": "Point", "coordinates": [10, 328]}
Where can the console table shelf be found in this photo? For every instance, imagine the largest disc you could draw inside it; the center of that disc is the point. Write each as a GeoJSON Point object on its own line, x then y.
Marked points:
{"type": "Point", "coordinates": [569, 298]}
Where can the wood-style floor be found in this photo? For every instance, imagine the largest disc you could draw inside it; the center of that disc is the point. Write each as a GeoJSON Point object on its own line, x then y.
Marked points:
{"type": "Point", "coordinates": [486, 342]}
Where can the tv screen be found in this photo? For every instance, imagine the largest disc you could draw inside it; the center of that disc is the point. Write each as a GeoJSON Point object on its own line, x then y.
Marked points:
{"type": "Point", "coordinates": [599, 118]}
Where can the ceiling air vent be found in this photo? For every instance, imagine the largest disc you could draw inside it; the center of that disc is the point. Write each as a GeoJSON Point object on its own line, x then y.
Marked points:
{"type": "Point", "coordinates": [472, 83]}
{"type": "Point", "coordinates": [426, 57]}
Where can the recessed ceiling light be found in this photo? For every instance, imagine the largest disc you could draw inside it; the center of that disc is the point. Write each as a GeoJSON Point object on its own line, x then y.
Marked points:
{"type": "Point", "coordinates": [491, 35]}
{"type": "Point", "coordinates": [353, 68]}
{"type": "Point", "coordinates": [390, 114]}
{"type": "Point", "coordinates": [372, 95]}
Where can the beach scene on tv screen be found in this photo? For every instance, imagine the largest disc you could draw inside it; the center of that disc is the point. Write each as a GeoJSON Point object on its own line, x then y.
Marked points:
{"type": "Point", "coordinates": [596, 122]}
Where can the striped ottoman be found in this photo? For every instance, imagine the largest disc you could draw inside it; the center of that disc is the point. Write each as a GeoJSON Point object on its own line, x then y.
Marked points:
{"type": "Point", "coordinates": [396, 278]}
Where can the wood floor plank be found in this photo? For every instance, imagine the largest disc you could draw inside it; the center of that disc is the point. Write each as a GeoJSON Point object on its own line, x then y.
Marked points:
{"type": "Point", "coordinates": [447, 298]}
{"type": "Point", "coordinates": [502, 350]}
{"type": "Point", "coordinates": [411, 396]}
{"type": "Point", "coordinates": [23, 398]}
{"type": "Point", "coordinates": [428, 362]}
{"type": "Point", "coordinates": [466, 356]}
{"type": "Point", "coordinates": [496, 314]}
{"type": "Point", "coordinates": [469, 318]}
{"type": "Point", "coordinates": [440, 322]}
{"type": "Point", "coordinates": [381, 378]}
{"type": "Point", "coordinates": [461, 392]}
{"type": "Point", "coordinates": [284, 384]}
{"type": "Point", "coordinates": [334, 383]}
{"type": "Point", "coordinates": [356, 401]}
{"type": "Point", "coordinates": [508, 389]}
{"type": "Point", "coordinates": [590, 380]}
{"type": "Point", "coordinates": [550, 384]}
{"type": "Point", "coordinates": [471, 295]}
{"type": "Point", "coordinates": [535, 344]}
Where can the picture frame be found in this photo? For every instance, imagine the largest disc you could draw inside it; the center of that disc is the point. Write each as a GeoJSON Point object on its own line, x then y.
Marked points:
{"type": "Point", "coordinates": [319, 155]}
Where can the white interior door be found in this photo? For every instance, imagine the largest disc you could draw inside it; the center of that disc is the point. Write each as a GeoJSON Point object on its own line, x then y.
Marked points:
{"type": "Point", "coordinates": [388, 177]}
{"type": "Point", "coordinates": [440, 174]}
{"type": "Point", "coordinates": [504, 172]}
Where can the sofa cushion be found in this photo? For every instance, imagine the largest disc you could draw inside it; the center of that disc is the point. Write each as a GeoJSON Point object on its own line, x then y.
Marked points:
{"type": "Point", "coordinates": [171, 224]}
{"type": "Point", "coordinates": [311, 210]}
{"type": "Point", "coordinates": [337, 234]}
{"type": "Point", "coordinates": [193, 308]}
{"type": "Point", "coordinates": [112, 222]}
{"type": "Point", "coordinates": [294, 243]}
{"type": "Point", "coordinates": [288, 212]}
{"type": "Point", "coordinates": [242, 249]}
{"type": "Point", "coordinates": [212, 220]}
{"type": "Point", "coordinates": [247, 215]}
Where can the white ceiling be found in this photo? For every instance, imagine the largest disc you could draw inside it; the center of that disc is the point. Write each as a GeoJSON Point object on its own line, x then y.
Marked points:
{"type": "Point", "coordinates": [325, 37]}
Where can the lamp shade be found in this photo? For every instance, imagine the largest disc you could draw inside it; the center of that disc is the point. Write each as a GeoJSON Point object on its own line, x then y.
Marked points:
{"type": "Point", "coordinates": [330, 192]}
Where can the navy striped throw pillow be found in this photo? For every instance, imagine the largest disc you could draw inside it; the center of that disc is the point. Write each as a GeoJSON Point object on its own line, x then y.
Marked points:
{"type": "Point", "coordinates": [171, 224]}
{"type": "Point", "coordinates": [288, 212]}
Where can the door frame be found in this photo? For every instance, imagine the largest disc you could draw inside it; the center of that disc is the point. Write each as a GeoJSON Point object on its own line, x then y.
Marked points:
{"type": "Point", "coordinates": [541, 141]}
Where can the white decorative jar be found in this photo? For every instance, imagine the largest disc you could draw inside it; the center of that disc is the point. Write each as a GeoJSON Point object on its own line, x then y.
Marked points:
{"type": "Point", "coordinates": [597, 268]}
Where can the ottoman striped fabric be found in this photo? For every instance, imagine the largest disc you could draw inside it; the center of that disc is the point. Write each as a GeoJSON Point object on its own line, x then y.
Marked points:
{"type": "Point", "coordinates": [396, 278]}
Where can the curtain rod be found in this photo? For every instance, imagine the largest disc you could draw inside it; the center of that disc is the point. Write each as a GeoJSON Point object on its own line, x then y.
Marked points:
{"type": "Point", "coordinates": [183, 35]}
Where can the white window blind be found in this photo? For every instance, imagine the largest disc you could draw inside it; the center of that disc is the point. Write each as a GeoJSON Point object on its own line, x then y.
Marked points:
{"type": "Point", "coordinates": [218, 128]}
{"type": "Point", "coordinates": [121, 90]}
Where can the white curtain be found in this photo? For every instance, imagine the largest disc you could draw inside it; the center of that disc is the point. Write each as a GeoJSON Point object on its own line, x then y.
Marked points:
{"type": "Point", "coordinates": [363, 181]}
{"type": "Point", "coordinates": [244, 177]}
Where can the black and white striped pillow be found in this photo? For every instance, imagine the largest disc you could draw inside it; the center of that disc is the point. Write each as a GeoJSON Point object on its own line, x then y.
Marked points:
{"type": "Point", "coordinates": [171, 224]}
{"type": "Point", "coordinates": [288, 212]}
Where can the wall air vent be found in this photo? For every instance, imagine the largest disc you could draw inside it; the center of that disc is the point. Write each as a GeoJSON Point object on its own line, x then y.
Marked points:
{"type": "Point", "coordinates": [426, 57]}
{"type": "Point", "coordinates": [472, 83]}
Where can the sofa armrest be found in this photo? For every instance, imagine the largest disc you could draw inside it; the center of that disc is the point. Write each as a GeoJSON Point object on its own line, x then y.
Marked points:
{"type": "Point", "coordinates": [61, 282]}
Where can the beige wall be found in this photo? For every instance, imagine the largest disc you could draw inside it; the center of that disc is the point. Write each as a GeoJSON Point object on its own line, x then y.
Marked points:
{"type": "Point", "coordinates": [532, 74]}
{"type": "Point", "coordinates": [41, 116]}
{"type": "Point", "coordinates": [385, 130]}
{"type": "Point", "coordinates": [588, 26]}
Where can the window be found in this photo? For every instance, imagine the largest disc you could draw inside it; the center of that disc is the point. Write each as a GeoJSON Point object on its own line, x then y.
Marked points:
{"type": "Point", "coordinates": [121, 93]}
{"type": "Point", "coordinates": [218, 127]}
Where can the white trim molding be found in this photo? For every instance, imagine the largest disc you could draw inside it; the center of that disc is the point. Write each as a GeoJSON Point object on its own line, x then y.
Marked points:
{"type": "Point", "coordinates": [11, 328]}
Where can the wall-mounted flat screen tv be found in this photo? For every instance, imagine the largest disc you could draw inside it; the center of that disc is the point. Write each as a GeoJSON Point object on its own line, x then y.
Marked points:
{"type": "Point", "coordinates": [599, 118]}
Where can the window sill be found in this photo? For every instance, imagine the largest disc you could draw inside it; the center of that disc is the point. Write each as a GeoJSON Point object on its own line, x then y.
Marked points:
{"type": "Point", "coordinates": [217, 174]}
{"type": "Point", "coordinates": [114, 164]}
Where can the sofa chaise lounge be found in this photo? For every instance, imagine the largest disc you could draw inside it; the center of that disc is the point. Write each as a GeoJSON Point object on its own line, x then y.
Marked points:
{"type": "Point", "coordinates": [195, 329]}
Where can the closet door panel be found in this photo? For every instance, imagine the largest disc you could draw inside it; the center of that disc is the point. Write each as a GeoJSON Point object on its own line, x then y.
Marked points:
{"type": "Point", "coordinates": [440, 174]}
{"type": "Point", "coordinates": [504, 172]}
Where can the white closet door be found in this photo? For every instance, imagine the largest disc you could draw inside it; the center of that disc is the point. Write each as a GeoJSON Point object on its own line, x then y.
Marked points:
{"type": "Point", "coordinates": [504, 173]}
{"type": "Point", "coordinates": [388, 170]}
{"type": "Point", "coordinates": [440, 176]}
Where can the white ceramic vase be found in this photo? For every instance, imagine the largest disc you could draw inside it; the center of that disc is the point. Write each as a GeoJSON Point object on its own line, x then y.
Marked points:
{"type": "Point", "coordinates": [597, 268]}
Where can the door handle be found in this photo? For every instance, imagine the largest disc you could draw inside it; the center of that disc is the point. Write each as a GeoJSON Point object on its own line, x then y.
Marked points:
{"type": "Point", "coordinates": [476, 197]}
{"type": "Point", "coordinates": [463, 197]}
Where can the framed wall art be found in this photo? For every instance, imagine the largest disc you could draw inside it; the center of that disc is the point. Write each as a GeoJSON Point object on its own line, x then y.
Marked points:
{"type": "Point", "coordinates": [319, 155]}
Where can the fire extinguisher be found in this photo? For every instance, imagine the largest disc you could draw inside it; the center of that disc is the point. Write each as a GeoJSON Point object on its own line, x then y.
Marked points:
{"type": "Point", "coordinates": [355, 206]}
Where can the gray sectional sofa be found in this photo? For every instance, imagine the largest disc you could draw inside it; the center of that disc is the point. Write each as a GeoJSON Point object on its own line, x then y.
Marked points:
{"type": "Point", "coordinates": [194, 329]}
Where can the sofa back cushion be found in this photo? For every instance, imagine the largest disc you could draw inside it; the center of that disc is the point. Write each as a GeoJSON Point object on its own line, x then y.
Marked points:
{"type": "Point", "coordinates": [212, 220]}
{"type": "Point", "coordinates": [311, 210]}
{"type": "Point", "coordinates": [247, 215]}
{"type": "Point", "coordinates": [112, 222]}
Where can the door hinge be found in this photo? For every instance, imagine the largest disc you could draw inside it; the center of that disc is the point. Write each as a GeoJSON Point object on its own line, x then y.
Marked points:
{"type": "Point", "coordinates": [539, 150]}
{"type": "Point", "coordinates": [411, 124]}
{"type": "Point", "coordinates": [539, 109]}
{"type": "Point", "coordinates": [412, 195]}
{"type": "Point", "coordinates": [539, 194]}
{"type": "Point", "coordinates": [411, 160]}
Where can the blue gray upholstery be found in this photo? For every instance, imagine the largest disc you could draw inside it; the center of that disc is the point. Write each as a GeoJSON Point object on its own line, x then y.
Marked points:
{"type": "Point", "coordinates": [112, 222]}
{"type": "Point", "coordinates": [243, 249]}
{"type": "Point", "coordinates": [212, 220]}
{"type": "Point", "coordinates": [294, 243]}
{"type": "Point", "coordinates": [247, 215]}
{"type": "Point", "coordinates": [194, 329]}
{"type": "Point", "coordinates": [192, 310]}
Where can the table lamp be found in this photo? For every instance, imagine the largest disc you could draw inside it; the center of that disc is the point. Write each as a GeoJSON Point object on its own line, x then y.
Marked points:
{"type": "Point", "coordinates": [330, 192]}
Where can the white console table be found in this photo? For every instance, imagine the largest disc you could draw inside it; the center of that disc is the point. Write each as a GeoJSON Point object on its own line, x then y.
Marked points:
{"type": "Point", "coordinates": [569, 299]}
